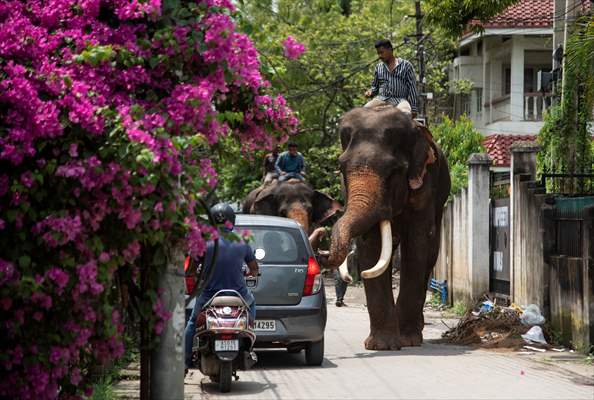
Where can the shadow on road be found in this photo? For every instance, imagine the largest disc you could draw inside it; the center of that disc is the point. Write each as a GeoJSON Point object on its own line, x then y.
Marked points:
{"type": "Point", "coordinates": [268, 360]}
{"type": "Point", "coordinates": [281, 359]}
{"type": "Point", "coordinates": [237, 388]}
{"type": "Point", "coordinates": [427, 349]}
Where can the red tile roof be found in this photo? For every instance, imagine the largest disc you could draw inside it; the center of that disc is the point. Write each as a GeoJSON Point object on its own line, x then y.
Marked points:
{"type": "Point", "coordinates": [530, 14]}
{"type": "Point", "coordinates": [524, 14]}
{"type": "Point", "coordinates": [498, 147]}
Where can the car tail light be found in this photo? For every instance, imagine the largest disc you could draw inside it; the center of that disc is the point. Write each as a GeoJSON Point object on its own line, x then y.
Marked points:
{"type": "Point", "coordinates": [313, 279]}
{"type": "Point", "coordinates": [190, 280]}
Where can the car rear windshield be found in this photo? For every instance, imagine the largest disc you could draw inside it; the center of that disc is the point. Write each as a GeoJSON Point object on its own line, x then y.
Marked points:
{"type": "Point", "coordinates": [275, 245]}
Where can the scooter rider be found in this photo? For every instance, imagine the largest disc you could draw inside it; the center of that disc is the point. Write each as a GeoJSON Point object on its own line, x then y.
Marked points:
{"type": "Point", "coordinates": [228, 273]}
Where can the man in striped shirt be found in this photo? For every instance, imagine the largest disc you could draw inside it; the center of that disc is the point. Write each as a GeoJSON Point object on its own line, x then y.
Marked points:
{"type": "Point", "coordinates": [394, 81]}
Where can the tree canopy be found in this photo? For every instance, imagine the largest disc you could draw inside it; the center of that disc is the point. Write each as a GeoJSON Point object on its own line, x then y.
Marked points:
{"type": "Point", "coordinates": [332, 74]}
{"type": "Point", "coordinates": [455, 16]}
{"type": "Point", "coordinates": [566, 135]}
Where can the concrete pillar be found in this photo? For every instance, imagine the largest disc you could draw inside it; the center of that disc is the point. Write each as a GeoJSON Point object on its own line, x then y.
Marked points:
{"type": "Point", "coordinates": [492, 87]}
{"type": "Point", "coordinates": [486, 84]}
{"type": "Point", "coordinates": [167, 359]}
{"type": "Point", "coordinates": [523, 161]}
{"type": "Point", "coordinates": [478, 223]}
{"type": "Point", "coordinates": [517, 80]}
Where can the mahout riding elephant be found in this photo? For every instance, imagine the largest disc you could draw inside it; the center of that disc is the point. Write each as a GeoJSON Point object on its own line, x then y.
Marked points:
{"type": "Point", "coordinates": [396, 181]}
{"type": "Point", "coordinates": [292, 199]}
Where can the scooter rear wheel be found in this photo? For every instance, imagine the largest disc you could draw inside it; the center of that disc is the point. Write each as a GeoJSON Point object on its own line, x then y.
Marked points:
{"type": "Point", "coordinates": [225, 376]}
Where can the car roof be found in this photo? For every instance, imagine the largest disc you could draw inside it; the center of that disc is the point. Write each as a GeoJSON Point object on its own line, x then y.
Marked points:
{"type": "Point", "coordinates": [265, 220]}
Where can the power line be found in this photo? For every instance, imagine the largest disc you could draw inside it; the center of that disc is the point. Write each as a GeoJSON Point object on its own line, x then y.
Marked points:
{"type": "Point", "coordinates": [420, 55]}
{"type": "Point", "coordinates": [338, 80]}
{"type": "Point", "coordinates": [332, 83]}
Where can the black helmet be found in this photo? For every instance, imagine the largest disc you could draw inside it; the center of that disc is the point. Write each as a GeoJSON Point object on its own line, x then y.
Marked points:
{"type": "Point", "coordinates": [222, 212]}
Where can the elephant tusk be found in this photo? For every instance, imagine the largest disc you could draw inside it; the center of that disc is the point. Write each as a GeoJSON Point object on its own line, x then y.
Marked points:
{"type": "Point", "coordinates": [385, 255]}
{"type": "Point", "coordinates": [344, 271]}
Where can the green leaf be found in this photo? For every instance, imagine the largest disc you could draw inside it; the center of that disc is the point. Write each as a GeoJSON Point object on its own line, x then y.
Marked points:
{"type": "Point", "coordinates": [67, 81]}
{"type": "Point", "coordinates": [153, 62]}
{"type": "Point", "coordinates": [24, 261]}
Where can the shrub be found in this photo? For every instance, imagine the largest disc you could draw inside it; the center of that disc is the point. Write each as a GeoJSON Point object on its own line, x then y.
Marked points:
{"type": "Point", "coordinates": [458, 140]}
{"type": "Point", "coordinates": [108, 113]}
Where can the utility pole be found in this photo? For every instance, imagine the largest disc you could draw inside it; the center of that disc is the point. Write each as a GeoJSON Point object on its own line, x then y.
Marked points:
{"type": "Point", "coordinates": [420, 58]}
{"type": "Point", "coordinates": [167, 359]}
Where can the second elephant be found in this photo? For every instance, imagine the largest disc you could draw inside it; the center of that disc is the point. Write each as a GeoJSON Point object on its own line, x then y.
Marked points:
{"type": "Point", "coordinates": [292, 199]}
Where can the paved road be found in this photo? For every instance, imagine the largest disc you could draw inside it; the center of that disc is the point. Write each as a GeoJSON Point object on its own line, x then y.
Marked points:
{"type": "Point", "coordinates": [433, 371]}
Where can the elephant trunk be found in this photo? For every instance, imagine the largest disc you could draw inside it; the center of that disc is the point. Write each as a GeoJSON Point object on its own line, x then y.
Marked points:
{"type": "Point", "coordinates": [299, 214]}
{"type": "Point", "coordinates": [365, 192]}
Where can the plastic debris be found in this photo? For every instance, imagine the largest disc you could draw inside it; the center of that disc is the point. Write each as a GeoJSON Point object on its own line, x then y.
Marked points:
{"type": "Point", "coordinates": [534, 349]}
{"type": "Point", "coordinates": [559, 350]}
{"type": "Point", "coordinates": [532, 316]}
{"type": "Point", "coordinates": [525, 353]}
{"type": "Point", "coordinates": [534, 335]}
{"type": "Point", "coordinates": [486, 307]}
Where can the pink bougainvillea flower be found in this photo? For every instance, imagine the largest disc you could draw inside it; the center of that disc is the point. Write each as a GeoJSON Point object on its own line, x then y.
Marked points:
{"type": "Point", "coordinates": [292, 48]}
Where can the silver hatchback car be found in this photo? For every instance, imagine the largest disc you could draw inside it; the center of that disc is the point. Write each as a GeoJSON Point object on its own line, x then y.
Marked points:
{"type": "Point", "coordinates": [290, 298]}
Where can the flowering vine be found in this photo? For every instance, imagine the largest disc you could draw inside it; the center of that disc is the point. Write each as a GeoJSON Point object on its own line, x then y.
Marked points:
{"type": "Point", "coordinates": [109, 109]}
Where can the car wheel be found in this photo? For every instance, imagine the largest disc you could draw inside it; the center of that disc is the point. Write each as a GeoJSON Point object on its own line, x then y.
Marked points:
{"type": "Point", "coordinates": [314, 353]}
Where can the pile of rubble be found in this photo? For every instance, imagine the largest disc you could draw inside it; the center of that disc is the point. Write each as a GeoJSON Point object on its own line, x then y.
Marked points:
{"type": "Point", "coordinates": [489, 325]}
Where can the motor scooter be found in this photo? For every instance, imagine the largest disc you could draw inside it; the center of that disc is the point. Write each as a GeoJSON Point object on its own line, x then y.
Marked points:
{"type": "Point", "coordinates": [224, 338]}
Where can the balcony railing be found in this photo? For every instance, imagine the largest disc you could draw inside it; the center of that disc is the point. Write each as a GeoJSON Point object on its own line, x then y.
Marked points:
{"type": "Point", "coordinates": [535, 104]}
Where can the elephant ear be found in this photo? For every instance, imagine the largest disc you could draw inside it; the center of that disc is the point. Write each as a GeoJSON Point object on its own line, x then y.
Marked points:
{"type": "Point", "coordinates": [422, 155]}
{"type": "Point", "coordinates": [324, 207]}
{"type": "Point", "coordinates": [265, 203]}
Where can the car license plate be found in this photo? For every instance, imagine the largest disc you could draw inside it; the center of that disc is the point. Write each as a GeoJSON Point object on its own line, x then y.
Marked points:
{"type": "Point", "coordinates": [265, 325]}
{"type": "Point", "coordinates": [226, 345]}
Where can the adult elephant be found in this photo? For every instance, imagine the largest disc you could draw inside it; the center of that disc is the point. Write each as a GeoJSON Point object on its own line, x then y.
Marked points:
{"type": "Point", "coordinates": [292, 199]}
{"type": "Point", "coordinates": [397, 181]}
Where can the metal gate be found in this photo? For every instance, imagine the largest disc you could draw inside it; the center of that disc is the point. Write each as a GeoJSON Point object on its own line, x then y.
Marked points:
{"type": "Point", "coordinates": [499, 266]}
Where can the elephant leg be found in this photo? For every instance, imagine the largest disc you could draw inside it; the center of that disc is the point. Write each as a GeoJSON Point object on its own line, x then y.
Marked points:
{"type": "Point", "coordinates": [383, 333]}
{"type": "Point", "coordinates": [419, 251]}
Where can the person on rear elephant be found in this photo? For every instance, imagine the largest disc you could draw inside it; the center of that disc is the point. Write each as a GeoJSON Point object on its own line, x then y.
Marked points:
{"type": "Point", "coordinates": [269, 167]}
{"type": "Point", "coordinates": [394, 81]}
{"type": "Point", "coordinates": [290, 164]}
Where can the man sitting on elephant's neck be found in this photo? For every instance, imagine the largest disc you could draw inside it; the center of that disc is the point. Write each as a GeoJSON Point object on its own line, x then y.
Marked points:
{"type": "Point", "coordinates": [269, 166]}
{"type": "Point", "coordinates": [394, 81]}
{"type": "Point", "coordinates": [290, 164]}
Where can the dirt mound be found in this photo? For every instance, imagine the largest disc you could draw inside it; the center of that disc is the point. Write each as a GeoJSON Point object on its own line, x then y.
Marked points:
{"type": "Point", "coordinates": [498, 328]}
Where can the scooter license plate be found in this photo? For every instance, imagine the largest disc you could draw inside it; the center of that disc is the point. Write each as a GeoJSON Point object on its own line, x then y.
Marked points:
{"type": "Point", "coordinates": [226, 345]}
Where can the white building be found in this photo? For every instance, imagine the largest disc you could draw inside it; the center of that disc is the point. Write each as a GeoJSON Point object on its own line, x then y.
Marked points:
{"type": "Point", "coordinates": [502, 63]}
